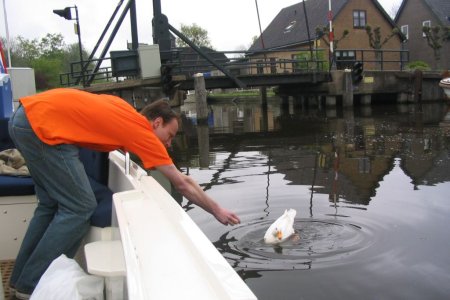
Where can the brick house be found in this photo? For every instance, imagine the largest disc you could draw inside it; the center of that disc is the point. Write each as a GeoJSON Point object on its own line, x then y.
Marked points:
{"type": "Point", "coordinates": [287, 33]}
{"type": "Point", "coordinates": [412, 16]}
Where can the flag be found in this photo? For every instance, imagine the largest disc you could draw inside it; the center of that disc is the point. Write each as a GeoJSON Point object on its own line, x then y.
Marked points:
{"type": "Point", "coordinates": [2, 60]}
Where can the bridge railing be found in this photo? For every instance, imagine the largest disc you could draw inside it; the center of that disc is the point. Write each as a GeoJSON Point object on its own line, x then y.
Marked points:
{"type": "Point", "coordinates": [185, 61]}
{"type": "Point", "coordinates": [76, 77]}
{"type": "Point", "coordinates": [382, 60]}
{"type": "Point", "coordinates": [250, 63]}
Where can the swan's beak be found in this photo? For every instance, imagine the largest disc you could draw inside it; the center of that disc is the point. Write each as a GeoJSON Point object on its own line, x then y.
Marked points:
{"type": "Point", "coordinates": [279, 234]}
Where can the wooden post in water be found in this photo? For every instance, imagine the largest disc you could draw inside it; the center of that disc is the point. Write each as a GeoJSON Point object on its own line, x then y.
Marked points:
{"type": "Point", "coordinates": [200, 99]}
{"type": "Point", "coordinates": [263, 94]}
{"type": "Point", "coordinates": [285, 105]}
{"type": "Point", "coordinates": [264, 110]}
{"type": "Point", "coordinates": [348, 89]}
{"type": "Point", "coordinates": [202, 120]}
{"type": "Point", "coordinates": [418, 77]}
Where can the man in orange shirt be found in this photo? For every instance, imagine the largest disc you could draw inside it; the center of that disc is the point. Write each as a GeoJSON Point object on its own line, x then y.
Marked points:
{"type": "Point", "coordinates": [48, 129]}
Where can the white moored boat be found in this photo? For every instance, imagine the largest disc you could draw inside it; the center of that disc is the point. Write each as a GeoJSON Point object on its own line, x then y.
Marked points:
{"type": "Point", "coordinates": [445, 85]}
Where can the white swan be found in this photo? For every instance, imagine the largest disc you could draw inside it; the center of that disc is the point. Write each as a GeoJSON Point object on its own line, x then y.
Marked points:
{"type": "Point", "coordinates": [282, 228]}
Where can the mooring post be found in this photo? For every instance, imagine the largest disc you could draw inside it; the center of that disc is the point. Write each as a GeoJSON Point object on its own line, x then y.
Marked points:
{"type": "Point", "coordinates": [264, 110]}
{"type": "Point", "coordinates": [418, 77]}
{"type": "Point", "coordinates": [202, 120]}
{"type": "Point", "coordinates": [203, 146]}
{"type": "Point", "coordinates": [263, 94]}
{"type": "Point", "coordinates": [200, 99]}
{"type": "Point", "coordinates": [348, 89]}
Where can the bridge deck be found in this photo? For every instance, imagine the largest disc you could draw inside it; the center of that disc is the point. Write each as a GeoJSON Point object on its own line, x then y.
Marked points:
{"type": "Point", "coordinates": [215, 82]}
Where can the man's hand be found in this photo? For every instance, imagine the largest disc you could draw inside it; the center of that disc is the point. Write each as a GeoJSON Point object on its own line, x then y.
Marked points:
{"type": "Point", "coordinates": [226, 217]}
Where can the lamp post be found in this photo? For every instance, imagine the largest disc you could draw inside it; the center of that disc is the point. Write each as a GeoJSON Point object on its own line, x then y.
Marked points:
{"type": "Point", "coordinates": [66, 13]}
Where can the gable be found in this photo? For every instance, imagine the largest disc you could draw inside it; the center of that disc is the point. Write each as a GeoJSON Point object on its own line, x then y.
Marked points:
{"type": "Point", "coordinates": [288, 28]}
{"type": "Point", "coordinates": [441, 8]}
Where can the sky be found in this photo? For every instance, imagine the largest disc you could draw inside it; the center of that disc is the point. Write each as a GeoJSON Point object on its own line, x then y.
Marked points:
{"type": "Point", "coordinates": [231, 24]}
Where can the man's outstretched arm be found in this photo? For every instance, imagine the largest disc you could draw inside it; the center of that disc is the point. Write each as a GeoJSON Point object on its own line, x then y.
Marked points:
{"type": "Point", "coordinates": [194, 193]}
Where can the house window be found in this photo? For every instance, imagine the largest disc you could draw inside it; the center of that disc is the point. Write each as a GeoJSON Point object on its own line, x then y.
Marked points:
{"type": "Point", "coordinates": [404, 30]}
{"type": "Point", "coordinates": [345, 59]}
{"type": "Point", "coordinates": [260, 67]}
{"type": "Point", "coordinates": [359, 19]}
{"type": "Point", "coordinates": [426, 23]}
{"type": "Point", "coordinates": [364, 165]}
{"type": "Point", "coordinates": [273, 65]}
{"type": "Point", "coordinates": [284, 64]}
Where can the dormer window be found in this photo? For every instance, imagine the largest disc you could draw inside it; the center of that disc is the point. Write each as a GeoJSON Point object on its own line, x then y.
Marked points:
{"type": "Point", "coordinates": [289, 27]}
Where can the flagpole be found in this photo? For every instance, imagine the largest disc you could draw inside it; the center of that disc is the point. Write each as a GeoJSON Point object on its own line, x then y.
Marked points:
{"type": "Point", "coordinates": [330, 18]}
{"type": "Point", "coordinates": [331, 36]}
{"type": "Point", "coordinates": [7, 35]}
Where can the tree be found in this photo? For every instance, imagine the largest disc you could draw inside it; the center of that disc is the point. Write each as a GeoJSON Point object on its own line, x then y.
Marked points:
{"type": "Point", "coordinates": [49, 57]}
{"type": "Point", "coordinates": [375, 37]}
{"type": "Point", "coordinates": [324, 33]}
{"type": "Point", "coordinates": [376, 42]}
{"type": "Point", "coordinates": [196, 34]}
{"type": "Point", "coordinates": [436, 36]}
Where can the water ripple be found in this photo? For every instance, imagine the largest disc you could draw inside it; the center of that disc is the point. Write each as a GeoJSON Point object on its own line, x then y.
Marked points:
{"type": "Point", "coordinates": [322, 242]}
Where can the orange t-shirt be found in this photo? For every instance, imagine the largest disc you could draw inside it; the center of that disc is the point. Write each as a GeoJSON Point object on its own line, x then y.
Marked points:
{"type": "Point", "coordinates": [98, 122]}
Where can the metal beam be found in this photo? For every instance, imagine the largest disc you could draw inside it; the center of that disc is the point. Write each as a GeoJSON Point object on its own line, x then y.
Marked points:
{"type": "Point", "coordinates": [238, 82]}
{"type": "Point", "coordinates": [109, 42]}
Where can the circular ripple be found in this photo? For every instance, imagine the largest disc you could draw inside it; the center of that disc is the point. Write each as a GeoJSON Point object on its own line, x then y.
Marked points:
{"type": "Point", "coordinates": [322, 243]}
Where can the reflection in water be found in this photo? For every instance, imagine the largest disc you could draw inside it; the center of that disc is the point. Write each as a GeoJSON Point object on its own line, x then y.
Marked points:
{"type": "Point", "coordinates": [370, 187]}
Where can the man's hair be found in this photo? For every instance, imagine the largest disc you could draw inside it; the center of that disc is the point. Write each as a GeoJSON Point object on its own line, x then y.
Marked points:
{"type": "Point", "coordinates": [159, 108]}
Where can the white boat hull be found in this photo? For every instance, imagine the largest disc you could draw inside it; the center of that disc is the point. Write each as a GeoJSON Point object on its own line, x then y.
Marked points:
{"type": "Point", "coordinates": [445, 85]}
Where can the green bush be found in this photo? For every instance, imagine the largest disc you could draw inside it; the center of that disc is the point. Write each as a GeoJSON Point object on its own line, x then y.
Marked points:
{"type": "Point", "coordinates": [418, 65]}
{"type": "Point", "coordinates": [305, 63]}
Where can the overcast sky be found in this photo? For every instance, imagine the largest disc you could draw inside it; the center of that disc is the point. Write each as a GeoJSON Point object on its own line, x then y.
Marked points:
{"type": "Point", "coordinates": [231, 24]}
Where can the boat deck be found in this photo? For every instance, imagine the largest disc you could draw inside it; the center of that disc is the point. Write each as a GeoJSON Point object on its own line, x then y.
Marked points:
{"type": "Point", "coordinates": [6, 267]}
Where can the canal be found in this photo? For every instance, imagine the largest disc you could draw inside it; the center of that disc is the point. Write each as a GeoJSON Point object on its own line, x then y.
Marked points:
{"type": "Point", "coordinates": [370, 185]}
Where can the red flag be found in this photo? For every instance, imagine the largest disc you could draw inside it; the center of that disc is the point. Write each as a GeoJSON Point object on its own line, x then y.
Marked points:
{"type": "Point", "coordinates": [2, 60]}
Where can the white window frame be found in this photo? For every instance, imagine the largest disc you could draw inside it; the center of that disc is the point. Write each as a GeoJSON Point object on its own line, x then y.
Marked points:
{"type": "Point", "coordinates": [426, 23]}
{"type": "Point", "coordinates": [405, 30]}
{"type": "Point", "coordinates": [359, 18]}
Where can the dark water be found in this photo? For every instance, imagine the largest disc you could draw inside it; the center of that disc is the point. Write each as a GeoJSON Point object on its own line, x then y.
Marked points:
{"type": "Point", "coordinates": [370, 185]}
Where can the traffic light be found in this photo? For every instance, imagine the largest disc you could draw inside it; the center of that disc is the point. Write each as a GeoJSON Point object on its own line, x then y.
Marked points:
{"type": "Point", "coordinates": [166, 79]}
{"type": "Point", "coordinates": [65, 13]}
{"type": "Point", "coordinates": [357, 71]}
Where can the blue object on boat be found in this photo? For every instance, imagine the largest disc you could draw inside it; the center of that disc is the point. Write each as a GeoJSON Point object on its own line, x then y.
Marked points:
{"type": "Point", "coordinates": [6, 99]}
{"type": "Point", "coordinates": [16, 186]}
{"type": "Point", "coordinates": [5, 141]}
{"type": "Point", "coordinates": [12, 185]}
{"type": "Point", "coordinates": [96, 166]}
{"type": "Point", "coordinates": [103, 212]}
